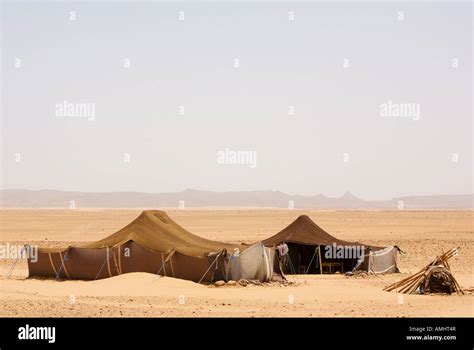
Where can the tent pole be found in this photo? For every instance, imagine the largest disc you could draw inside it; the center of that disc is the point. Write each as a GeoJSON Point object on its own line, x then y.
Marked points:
{"type": "Point", "coordinates": [311, 261]}
{"type": "Point", "coordinates": [205, 273]}
{"type": "Point", "coordinates": [15, 262]}
{"type": "Point", "coordinates": [320, 261]}
{"type": "Point", "coordinates": [116, 264]}
{"type": "Point", "coordinates": [292, 268]}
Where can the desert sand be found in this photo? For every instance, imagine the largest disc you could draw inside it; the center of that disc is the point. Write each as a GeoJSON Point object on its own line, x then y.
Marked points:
{"type": "Point", "coordinates": [421, 234]}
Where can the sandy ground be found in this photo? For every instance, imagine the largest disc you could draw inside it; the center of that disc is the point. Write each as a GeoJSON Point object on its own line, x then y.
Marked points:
{"type": "Point", "coordinates": [422, 234]}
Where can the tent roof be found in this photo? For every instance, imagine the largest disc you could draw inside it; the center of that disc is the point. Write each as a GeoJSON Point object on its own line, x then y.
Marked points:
{"type": "Point", "coordinates": [156, 231]}
{"type": "Point", "coordinates": [305, 231]}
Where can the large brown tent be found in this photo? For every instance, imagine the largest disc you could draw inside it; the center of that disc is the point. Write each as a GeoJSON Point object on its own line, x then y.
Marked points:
{"type": "Point", "coordinates": [152, 242]}
{"type": "Point", "coordinates": [313, 250]}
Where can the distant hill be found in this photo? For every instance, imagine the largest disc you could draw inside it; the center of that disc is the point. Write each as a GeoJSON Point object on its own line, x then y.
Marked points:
{"type": "Point", "coordinates": [194, 198]}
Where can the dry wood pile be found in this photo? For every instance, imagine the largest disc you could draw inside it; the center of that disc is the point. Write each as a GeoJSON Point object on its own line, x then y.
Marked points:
{"type": "Point", "coordinates": [435, 277]}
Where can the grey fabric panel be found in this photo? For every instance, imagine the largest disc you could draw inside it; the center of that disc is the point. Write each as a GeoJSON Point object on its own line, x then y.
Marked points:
{"type": "Point", "coordinates": [255, 263]}
{"type": "Point", "coordinates": [383, 261]}
{"type": "Point", "coordinates": [380, 261]}
{"type": "Point", "coordinates": [234, 268]}
{"type": "Point", "coordinates": [270, 257]}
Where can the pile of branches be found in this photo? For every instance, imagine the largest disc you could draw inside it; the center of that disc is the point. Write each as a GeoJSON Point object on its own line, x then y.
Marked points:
{"type": "Point", "coordinates": [435, 277]}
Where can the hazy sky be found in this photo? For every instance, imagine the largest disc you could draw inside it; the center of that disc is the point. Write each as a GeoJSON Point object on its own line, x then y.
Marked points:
{"type": "Point", "coordinates": [306, 97]}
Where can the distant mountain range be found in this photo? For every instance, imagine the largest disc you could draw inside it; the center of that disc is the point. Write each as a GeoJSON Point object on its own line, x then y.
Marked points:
{"type": "Point", "coordinates": [194, 198]}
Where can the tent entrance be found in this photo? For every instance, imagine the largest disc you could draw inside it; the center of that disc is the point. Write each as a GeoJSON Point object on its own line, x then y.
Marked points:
{"type": "Point", "coordinates": [311, 259]}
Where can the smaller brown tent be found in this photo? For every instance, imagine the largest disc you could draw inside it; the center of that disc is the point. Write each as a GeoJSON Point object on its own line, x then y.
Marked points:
{"type": "Point", "coordinates": [313, 250]}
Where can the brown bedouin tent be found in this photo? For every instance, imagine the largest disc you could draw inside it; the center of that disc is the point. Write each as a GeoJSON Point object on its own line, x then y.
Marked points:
{"type": "Point", "coordinates": [310, 249]}
{"type": "Point", "coordinates": [153, 243]}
